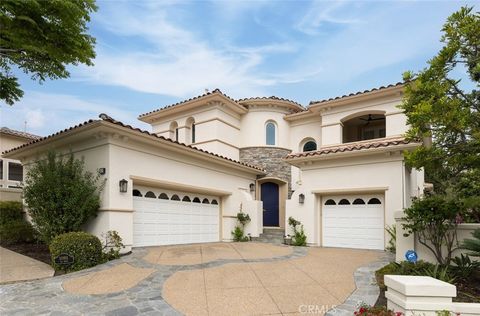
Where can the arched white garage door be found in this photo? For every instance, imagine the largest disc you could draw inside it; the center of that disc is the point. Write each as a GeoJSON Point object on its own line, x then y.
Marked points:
{"type": "Point", "coordinates": [354, 221]}
{"type": "Point", "coordinates": [167, 218]}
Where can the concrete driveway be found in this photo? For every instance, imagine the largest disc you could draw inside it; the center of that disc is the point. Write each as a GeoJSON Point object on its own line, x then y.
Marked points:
{"type": "Point", "coordinates": [207, 279]}
{"type": "Point", "coordinates": [17, 267]}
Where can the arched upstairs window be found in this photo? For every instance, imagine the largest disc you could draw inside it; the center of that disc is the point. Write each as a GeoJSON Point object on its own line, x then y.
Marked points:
{"type": "Point", "coordinates": [191, 127]}
{"type": "Point", "coordinates": [344, 202]}
{"type": "Point", "coordinates": [136, 192]}
{"type": "Point", "coordinates": [374, 201]}
{"type": "Point", "coordinates": [205, 201]}
{"type": "Point", "coordinates": [186, 199]}
{"type": "Point", "coordinates": [358, 202]}
{"type": "Point", "coordinates": [150, 194]}
{"type": "Point", "coordinates": [310, 146]}
{"type": "Point", "coordinates": [330, 202]}
{"type": "Point", "coordinates": [196, 200]}
{"type": "Point", "coordinates": [214, 202]}
{"type": "Point", "coordinates": [175, 198]}
{"type": "Point", "coordinates": [174, 131]}
{"type": "Point", "coordinates": [270, 131]}
{"type": "Point", "coordinates": [163, 196]}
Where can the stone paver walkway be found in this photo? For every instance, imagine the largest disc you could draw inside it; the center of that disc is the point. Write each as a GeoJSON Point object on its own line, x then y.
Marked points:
{"type": "Point", "coordinates": [150, 282]}
{"type": "Point", "coordinates": [17, 267]}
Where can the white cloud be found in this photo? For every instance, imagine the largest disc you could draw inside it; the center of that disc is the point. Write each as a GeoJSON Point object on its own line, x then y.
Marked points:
{"type": "Point", "coordinates": [46, 113]}
{"type": "Point", "coordinates": [322, 12]}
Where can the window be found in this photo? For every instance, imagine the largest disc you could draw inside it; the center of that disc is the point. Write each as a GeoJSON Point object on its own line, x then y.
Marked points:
{"type": "Point", "coordinates": [173, 131]}
{"type": "Point", "coordinates": [163, 196]}
{"type": "Point", "coordinates": [310, 146]}
{"type": "Point", "coordinates": [186, 199]}
{"type": "Point", "coordinates": [176, 134]}
{"type": "Point", "coordinates": [136, 193]}
{"type": "Point", "coordinates": [358, 202]}
{"type": "Point", "coordinates": [344, 202]}
{"type": "Point", "coordinates": [175, 198]}
{"type": "Point", "coordinates": [374, 201]}
{"type": "Point", "coordinates": [1, 169]}
{"type": "Point", "coordinates": [196, 200]}
{"type": "Point", "coordinates": [205, 201]}
{"type": "Point", "coordinates": [193, 133]}
{"type": "Point", "coordinates": [270, 133]}
{"type": "Point", "coordinates": [150, 194]}
{"type": "Point", "coordinates": [330, 202]}
{"type": "Point", "coordinates": [214, 202]}
{"type": "Point", "coordinates": [15, 171]}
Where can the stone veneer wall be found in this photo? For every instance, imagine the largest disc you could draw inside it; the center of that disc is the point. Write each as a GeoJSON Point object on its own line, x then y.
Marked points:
{"type": "Point", "coordinates": [270, 159]}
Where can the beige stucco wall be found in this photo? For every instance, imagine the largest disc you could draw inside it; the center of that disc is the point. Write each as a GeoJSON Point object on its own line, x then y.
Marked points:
{"type": "Point", "coordinates": [377, 173]}
{"type": "Point", "coordinates": [253, 127]}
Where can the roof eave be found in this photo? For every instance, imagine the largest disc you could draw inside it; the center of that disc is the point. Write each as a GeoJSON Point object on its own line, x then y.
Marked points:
{"type": "Point", "coordinates": [352, 153]}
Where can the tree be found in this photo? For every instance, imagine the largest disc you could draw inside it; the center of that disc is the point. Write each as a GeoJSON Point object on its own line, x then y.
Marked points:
{"type": "Point", "coordinates": [41, 38]}
{"type": "Point", "coordinates": [60, 195]}
{"type": "Point", "coordinates": [446, 109]}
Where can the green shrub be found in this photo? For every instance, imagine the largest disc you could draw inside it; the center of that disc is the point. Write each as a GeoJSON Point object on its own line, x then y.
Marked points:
{"type": "Point", "coordinates": [237, 234]}
{"type": "Point", "coordinates": [299, 238]}
{"type": "Point", "coordinates": [16, 231]}
{"type": "Point", "coordinates": [367, 310]}
{"type": "Point", "coordinates": [112, 246]}
{"type": "Point", "coordinates": [464, 267]}
{"type": "Point", "coordinates": [239, 231]}
{"type": "Point", "coordinates": [61, 195]}
{"type": "Point", "coordinates": [10, 211]}
{"type": "Point", "coordinates": [85, 248]}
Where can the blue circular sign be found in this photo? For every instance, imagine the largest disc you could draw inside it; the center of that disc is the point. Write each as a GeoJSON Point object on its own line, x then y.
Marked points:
{"type": "Point", "coordinates": [411, 256]}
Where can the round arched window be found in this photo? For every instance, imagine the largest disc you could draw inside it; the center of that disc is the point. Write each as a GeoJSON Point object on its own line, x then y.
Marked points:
{"type": "Point", "coordinates": [310, 146]}
{"type": "Point", "coordinates": [270, 133]}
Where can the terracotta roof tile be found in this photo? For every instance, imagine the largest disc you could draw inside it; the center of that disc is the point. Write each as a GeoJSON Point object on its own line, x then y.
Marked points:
{"type": "Point", "coordinates": [364, 145]}
{"type": "Point", "coordinates": [13, 132]}
{"type": "Point", "coordinates": [270, 98]}
{"type": "Point", "coordinates": [216, 91]}
{"type": "Point", "coordinates": [106, 118]}
{"type": "Point", "coordinates": [359, 92]}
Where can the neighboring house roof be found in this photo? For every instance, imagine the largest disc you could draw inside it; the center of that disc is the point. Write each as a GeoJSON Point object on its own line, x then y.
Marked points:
{"type": "Point", "coordinates": [108, 119]}
{"type": "Point", "coordinates": [355, 146]}
{"type": "Point", "coordinates": [9, 131]}
{"type": "Point", "coordinates": [212, 93]}
{"type": "Point", "coordinates": [398, 84]}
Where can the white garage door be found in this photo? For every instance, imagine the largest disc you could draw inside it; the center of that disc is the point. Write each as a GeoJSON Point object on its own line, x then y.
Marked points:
{"type": "Point", "coordinates": [166, 218]}
{"type": "Point", "coordinates": [353, 222]}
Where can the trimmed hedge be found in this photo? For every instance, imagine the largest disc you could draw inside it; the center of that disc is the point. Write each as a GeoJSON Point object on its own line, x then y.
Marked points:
{"type": "Point", "coordinates": [10, 211]}
{"type": "Point", "coordinates": [17, 231]}
{"type": "Point", "coordinates": [85, 248]}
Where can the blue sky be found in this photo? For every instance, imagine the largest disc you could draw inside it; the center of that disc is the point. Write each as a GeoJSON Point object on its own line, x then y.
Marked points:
{"type": "Point", "coordinates": [154, 53]}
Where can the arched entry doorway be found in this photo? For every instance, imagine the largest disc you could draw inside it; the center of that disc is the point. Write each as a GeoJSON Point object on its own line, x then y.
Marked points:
{"type": "Point", "coordinates": [270, 199]}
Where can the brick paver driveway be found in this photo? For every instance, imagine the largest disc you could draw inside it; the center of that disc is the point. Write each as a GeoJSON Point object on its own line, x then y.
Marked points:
{"type": "Point", "coordinates": [206, 279]}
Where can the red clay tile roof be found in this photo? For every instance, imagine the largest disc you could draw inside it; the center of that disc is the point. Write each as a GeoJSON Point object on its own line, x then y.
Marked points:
{"type": "Point", "coordinates": [359, 92]}
{"type": "Point", "coordinates": [216, 91]}
{"type": "Point", "coordinates": [364, 145]}
{"type": "Point", "coordinates": [106, 118]}
{"type": "Point", "coordinates": [271, 98]}
{"type": "Point", "coordinates": [13, 132]}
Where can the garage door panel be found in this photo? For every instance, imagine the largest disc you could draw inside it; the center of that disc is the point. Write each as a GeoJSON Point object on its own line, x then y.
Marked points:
{"type": "Point", "coordinates": [352, 226]}
{"type": "Point", "coordinates": [163, 222]}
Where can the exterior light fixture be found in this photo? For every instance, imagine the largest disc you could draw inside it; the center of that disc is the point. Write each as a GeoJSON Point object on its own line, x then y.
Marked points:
{"type": "Point", "coordinates": [287, 240]}
{"type": "Point", "coordinates": [301, 198]}
{"type": "Point", "coordinates": [252, 187]}
{"type": "Point", "coordinates": [102, 171]}
{"type": "Point", "coordinates": [123, 185]}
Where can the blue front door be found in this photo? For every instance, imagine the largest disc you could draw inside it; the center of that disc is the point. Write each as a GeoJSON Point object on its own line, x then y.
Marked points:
{"type": "Point", "coordinates": [270, 204]}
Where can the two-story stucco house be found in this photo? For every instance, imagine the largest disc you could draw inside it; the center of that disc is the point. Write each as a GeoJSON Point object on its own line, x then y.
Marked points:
{"type": "Point", "coordinates": [336, 165]}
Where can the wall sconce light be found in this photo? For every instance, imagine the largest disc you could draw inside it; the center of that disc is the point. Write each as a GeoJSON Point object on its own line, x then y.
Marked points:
{"type": "Point", "coordinates": [301, 198]}
{"type": "Point", "coordinates": [252, 187]}
{"type": "Point", "coordinates": [102, 171]}
{"type": "Point", "coordinates": [123, 185]}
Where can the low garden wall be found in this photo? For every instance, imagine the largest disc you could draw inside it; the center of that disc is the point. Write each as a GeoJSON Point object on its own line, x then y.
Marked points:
{"type": "Point", "coordinates": [10, 194]}
{"type": "Point", "coordinates": [464, 231]}
{"type": "Point", "coordinates": [422, 295]}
